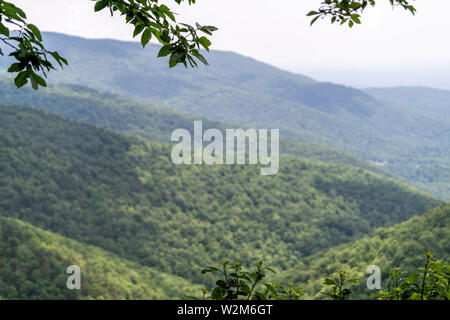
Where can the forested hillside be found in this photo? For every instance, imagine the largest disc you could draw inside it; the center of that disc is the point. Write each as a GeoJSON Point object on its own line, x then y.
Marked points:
{"type": "Point", "coordinates": [428, 112]}
{"type": "Point", "coordinates": [33, 266]}
{"type": "Point", "coordinates": [124, 195]}
{"type": "Point", "coordinates": [243, 91]}
{"type": "Point", "coordinates": [153, 123]}
{"type": "Point", "coordinates": [402, 245]}
{"type": "Point", "coordinates": [427, 102]}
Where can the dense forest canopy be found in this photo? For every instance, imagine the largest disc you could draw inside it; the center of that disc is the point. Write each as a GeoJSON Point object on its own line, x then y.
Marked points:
{"type": "Point", "coordinates": [34, 263]}
{"type": "Point", "coordinates": [124, 195]}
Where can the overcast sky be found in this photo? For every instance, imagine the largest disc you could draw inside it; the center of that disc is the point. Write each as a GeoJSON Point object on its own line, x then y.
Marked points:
{"type": "Point", "coordinates": [391, 47]}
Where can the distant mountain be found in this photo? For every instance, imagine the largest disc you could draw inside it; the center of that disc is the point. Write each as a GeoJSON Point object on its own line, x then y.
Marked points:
{"type": "Point", "coordinates": [153, 123]}
{"type": "Point", "coordinates": [127, 69]}
{"type": "Point", "coordinates": [432, 104]}
{"type": "Point", "coordinates": [401, 246]}
{"type": "Point", "coordinates": [425, 116]}
{"type": "Point", "coordinates": [124, 195]}
{"type": "Point", "coordinates": [241, 90]}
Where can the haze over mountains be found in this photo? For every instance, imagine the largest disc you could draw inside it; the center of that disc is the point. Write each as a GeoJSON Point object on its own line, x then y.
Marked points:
{"type": "Point", "coordinates": [412, 141]}
{"type": "Point", "coordinates": [129, 116]}
{"type": "Point", "coordinates": [86, 176]}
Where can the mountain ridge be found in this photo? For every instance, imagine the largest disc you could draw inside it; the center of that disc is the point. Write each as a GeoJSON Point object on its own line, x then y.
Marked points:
{"type": "Point", "coordinates": [249, 93]}
{"type": "Point", "coordinates": [128, 116]}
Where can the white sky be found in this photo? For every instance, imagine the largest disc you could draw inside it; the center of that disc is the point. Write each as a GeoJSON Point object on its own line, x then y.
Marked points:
{"type": "Point", "coordinates": [391, 47]}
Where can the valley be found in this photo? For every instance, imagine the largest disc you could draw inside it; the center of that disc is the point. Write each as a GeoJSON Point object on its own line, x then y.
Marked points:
{"type": "Point", "coordinates": [87, 177]}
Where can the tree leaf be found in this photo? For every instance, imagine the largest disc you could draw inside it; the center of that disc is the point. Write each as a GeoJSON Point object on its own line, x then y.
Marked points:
{"type": "Point", "coordinates": [146, 36]}
{"type": "Point", "coordinates": [35, 31]}
{"type": "Point", "coordinates": [100, 5]}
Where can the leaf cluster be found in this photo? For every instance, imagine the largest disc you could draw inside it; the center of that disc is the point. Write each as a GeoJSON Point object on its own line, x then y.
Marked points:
{"type": "Point", "coordinates": [349, 11]}
{"type": "Point", "coordinates": [25, 41]}
{"type": "Point", "coordinates": [432, 282]}
{"type": "Point", "coordinates": [339, 286]}
{"type": "Point", "coordinates": [237, 284]}
{"type": "Point", "coordinates": [180, 41]}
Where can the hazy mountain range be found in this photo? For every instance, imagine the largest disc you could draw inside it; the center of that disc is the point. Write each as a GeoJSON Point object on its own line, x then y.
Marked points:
{"type": "Point", "coordinates": [86, 176]}
{"type": "Point", "coordinates": [407, 133]}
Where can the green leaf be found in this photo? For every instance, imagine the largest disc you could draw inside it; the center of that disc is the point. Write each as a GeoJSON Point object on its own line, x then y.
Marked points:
{"type": "Point", "coordinates": [165, 51]}
{"type": "Point", "coordinates": [16, 67]}
{"type": "Point", "coordinates": [355, 5]}
{"type": "Point", "coordinates": [21, 79]}
{"type": "Point", "coordinates": [167, 11]}
{"type": "Point", "coordinates": [176, 58]}
{"type": "Point", "coordinates": [4, 30]}
{"type": "Point", "coordinates": [36, 80]}
{"type": "Point", "coordinates": [270, 288]}
{"type": "Point", "coordinates": [355, 18]}
{"type": "Point", "coordinates": [210, 28]}
{"type": "Point", "coordinates": [314, 20]}
{"type": "Point", "coordinates": [205, 42]}
{"type": "Point", "coordinates": [271, 270]}
{"type": "Point", "coordinates": [200, 57]}
{"type": "Point", "coordinates": [59, 59]}
{"type": "Point", "coordinates": [146, 36]}
{"type": "Point", "coordinates": [217, 294]}
{"type": "Point", "coordinates": [35, 31]}
{"type": "Point", "coordinates": [138, 29]}
{"type": "Point", "coordinates": [100, 5]}
{"type": "Point", "coordinates": [210, 269]}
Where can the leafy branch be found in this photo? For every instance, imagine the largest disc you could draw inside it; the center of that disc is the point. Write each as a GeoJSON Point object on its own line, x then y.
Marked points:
{"type": "Point", "coordinates": [25, 41]}
{"type": "Point", "coordinates": [339, 286]}
{"type": "Point", "coordinates": [431, 283]}
{"type": "Point", "coordinates": [350, 11]}
{"type": "Point", "coordinates": [237, 284]}
{"type": "Point", "coordinates": [181, 41]}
